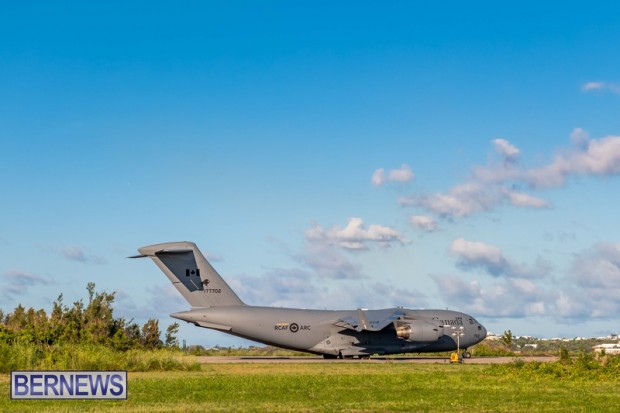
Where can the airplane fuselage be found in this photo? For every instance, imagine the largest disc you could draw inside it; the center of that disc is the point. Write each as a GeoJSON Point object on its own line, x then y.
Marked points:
{"type": "Point", "coordinates": [313, 331]}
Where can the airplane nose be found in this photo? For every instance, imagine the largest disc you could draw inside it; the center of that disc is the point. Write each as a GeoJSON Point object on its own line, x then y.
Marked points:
{"type": "Point", "coordinates": [483, 331]}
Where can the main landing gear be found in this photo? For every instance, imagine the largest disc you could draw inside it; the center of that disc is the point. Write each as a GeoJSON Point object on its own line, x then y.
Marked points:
{"type": "Point", "coordinates": [340, 356]}
{"type": "Point", "coordinates": [335, 356]}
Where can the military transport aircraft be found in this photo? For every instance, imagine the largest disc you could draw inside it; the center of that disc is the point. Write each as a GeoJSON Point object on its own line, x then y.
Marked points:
{"type": "Point", "coordinates": [331, 333]}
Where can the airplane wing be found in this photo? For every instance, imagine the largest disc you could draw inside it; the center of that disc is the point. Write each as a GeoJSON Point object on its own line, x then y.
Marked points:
{"type": "Point", "coordinates": [378, 320]}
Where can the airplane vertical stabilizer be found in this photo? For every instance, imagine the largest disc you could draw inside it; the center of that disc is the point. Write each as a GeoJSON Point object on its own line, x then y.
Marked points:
{"type": "Point", "coordinates": [191, 274]}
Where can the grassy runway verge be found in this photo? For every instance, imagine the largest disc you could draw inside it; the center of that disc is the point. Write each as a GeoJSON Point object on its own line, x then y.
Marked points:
{"type": "Point", "coordinates": [353, 387]}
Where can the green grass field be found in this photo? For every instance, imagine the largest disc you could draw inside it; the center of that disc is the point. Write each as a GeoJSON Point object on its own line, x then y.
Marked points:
{"type": "Point", "coordinates": [355, 387]}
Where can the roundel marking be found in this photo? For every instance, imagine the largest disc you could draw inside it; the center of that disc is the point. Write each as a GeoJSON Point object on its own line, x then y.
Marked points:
{"type": "Point", "coordinates": [294, 327]}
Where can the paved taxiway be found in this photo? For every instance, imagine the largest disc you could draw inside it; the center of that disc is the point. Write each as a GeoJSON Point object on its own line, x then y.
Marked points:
{"type": "Point", "coordinates": [420, 360]}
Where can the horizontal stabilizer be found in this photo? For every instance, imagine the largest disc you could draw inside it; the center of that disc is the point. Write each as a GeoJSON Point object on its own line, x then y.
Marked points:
{"type": "Point", "coordinates": [163, 252]}
{"type": "Point", "coordinates": [214, 326]}
{"type": "Point", "coordinates": [173, 252]}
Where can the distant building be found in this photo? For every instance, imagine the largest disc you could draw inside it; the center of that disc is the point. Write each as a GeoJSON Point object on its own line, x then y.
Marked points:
{"type": "Point", "coordinates": [608, 348]}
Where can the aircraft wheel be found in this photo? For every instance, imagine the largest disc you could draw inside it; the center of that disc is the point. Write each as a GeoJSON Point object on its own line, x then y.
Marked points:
{"type": "Point", "coordinates": [330, 356]}
{"type": "Point", "coordinates": [466, 354]}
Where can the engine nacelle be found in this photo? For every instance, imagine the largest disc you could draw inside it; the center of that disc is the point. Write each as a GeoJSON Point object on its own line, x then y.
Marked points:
{"type": "Point", "coordinates": [419, 331]}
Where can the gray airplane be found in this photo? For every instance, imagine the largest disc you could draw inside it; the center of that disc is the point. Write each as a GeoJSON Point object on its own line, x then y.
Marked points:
{"type": "Point", "coordinates": [331, 333]}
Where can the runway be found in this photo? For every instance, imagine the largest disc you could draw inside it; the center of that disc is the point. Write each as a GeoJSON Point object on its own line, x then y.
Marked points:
{"type": "Point", "coordinates": [414, 360]}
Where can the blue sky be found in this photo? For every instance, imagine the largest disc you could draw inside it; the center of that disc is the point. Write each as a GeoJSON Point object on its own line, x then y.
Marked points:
{"type": "Point", "coordinates": [323, 155]}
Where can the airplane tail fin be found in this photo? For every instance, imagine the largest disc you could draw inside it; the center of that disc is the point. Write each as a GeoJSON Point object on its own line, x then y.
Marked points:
{"type": "Point", "coordinates": [191, 274]}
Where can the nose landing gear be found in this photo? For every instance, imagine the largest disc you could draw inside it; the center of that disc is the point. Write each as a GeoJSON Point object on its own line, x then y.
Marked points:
{"type": "Point", "coordinates": [458, 358]}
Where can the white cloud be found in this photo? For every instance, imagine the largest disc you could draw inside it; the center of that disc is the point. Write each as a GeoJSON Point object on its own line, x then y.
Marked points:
{"type": "Point", "coordinates": [355, 236]}
{"type": "Point", "coordinates": [567, 307]}
{"type": "Point", "coordinates": [592, 86]}
{"type": "Point", "coordinates": [79, 254]}
{"type": "Point", "coordinates": [326, 251]}
{"type": "Point", "coordinates": [598, 267]}
{"type": "Point", "coordinates": [589, 290]}
{"type": "Point", "coordinates": [452, 286]}
{"type": "Point", "coordinates": [328, 262]}
{"type": "Point", "coordinates": [486, 189]}
{"type": "Point", "coordinates": [599, 157]}
{"type": "Point", "coordinates": [76, 254]}
{"type": "Point", "coordinates": [298, 288]}
{"type": "Point", "coordinates": [163, 299]}
{"type": "Point", "coordinates": [18, 282]}
{"type": "Point", "coordinates": [460, 201]}
{"type": "Point", "coordinates": [579, 137]}
{"type": "Point", "coordinates": [474, 250]}
{"type": "Point", "coordinates": [508, 151]}
{"type": "Point", "coordinates": [472, 255]}
{"type": "Point", "coordinates": [403, 174]}
{"type": "Point", "coordinates": [278, 287]}
{"type": "Point", "coordinates": [378, 177]}
{"type": "Point", "coordinates": [423, 222]}
{"type": "Point", "coordinates": [602, 86]}
{"type": "Point", "coordinates": [505, 298]}
{"type": "Point", "coordinates": [494, 184]}
{"type": "Point", "coordinates": [595, 275]}
{"type": "Point", "coordinates": [525, 200]}
{"type": "Point", "coordinates": [498, 171]}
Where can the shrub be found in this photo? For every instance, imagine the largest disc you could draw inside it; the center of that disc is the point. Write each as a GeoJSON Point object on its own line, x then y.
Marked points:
{"type": "Point", "coordinates": [89, 357]}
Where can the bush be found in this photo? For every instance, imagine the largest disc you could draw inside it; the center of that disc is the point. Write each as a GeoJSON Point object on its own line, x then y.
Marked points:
{"type": "Point", "coordinates": [93, 323]}
{"type": "Point", "coordinates": [584, 367]}
{"type": "Point", "coordinates": [89, 357]}
{"type": "Point", "coordinates": [488, 349]}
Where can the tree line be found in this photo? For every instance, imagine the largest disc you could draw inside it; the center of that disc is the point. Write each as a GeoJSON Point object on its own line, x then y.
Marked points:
{"type": "Point", "coordinates": [91, 323]}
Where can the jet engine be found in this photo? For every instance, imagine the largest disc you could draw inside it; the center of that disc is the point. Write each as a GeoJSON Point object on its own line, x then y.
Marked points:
{"type": "Point", "coordinates": [419, 331]}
